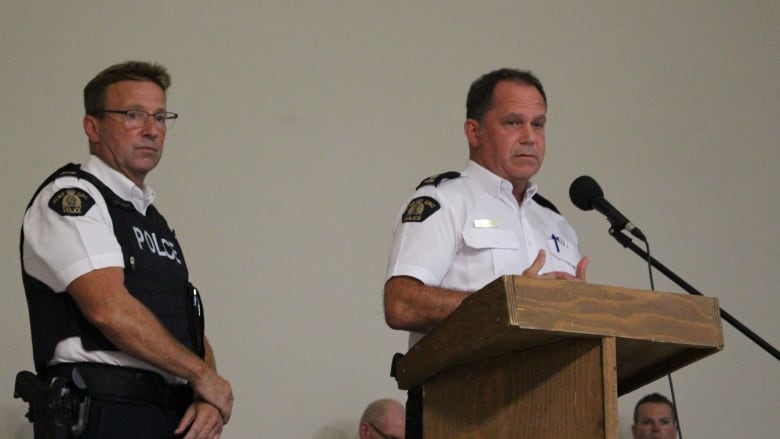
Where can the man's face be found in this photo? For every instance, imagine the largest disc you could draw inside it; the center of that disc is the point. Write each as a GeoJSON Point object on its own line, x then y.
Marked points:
{"type": "Point", "coordinates": [654, 421]}
{"type": "Point", "coordinates": [132, 151]}
{"type": "Point", "coordinates": [510, 140]}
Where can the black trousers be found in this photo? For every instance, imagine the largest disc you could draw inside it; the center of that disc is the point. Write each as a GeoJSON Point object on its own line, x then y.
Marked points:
{"type": "Point", "coordinates": [414, 413]}
{"type": "Point", "coordinates": [117, 420]}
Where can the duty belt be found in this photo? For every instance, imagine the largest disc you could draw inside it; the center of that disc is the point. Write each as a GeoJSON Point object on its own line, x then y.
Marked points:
{"type": "Point", "coordinates": [125, 384]}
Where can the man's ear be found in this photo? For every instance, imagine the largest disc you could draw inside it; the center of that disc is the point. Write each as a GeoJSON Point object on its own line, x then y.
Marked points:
{"type": "Point", "coordinates": [363, 431]}
{"type": "Point", "coordinates": [472, 130]}
{"type": "Point", "coordinates": [92, 128]}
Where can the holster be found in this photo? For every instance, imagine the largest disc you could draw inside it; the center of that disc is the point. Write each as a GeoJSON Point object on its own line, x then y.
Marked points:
{"type": "Point", "coordinates": [58, 409]}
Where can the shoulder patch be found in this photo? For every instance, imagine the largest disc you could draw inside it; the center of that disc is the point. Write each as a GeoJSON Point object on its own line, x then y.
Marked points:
{"type": "Point", "coordinates": [419, 209]}
{"type": "Point", "coordinates": [436, 179]}
{"type": "Point", "coordinates": [71, 202]}
{"type": "Point", "coordinates": [544, 202]}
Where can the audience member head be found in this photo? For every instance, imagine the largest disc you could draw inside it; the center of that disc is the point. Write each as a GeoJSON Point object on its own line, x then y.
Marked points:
{"type": "Point", "coordinates": [383, 419]}
{"type": "Point", "coordinates": [654, 418]}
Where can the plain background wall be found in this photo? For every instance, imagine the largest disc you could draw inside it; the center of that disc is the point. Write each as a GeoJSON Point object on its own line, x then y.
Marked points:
{"type": "Point", "coordinates": [305, 125]}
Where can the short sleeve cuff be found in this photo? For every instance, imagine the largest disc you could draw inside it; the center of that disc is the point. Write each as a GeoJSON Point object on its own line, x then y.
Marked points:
{"type": "Point", "coordinates": [84, 266]}
{"type": "Point", "coordinates": [421, 274]}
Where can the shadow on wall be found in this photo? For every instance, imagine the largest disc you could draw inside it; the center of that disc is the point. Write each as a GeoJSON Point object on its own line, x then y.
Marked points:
{"type": "Point", "coordinates": [338, 429]}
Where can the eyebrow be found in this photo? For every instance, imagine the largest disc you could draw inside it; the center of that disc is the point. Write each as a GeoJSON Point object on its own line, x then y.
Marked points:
{"type": "Point", "coordinates": [523, 116]}
{"type": "Point", "coordinates": [139, 107]}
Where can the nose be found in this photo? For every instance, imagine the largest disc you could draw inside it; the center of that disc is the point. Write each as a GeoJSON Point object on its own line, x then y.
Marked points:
{"type": "Point", "coordinates": [151, 128]}
{"type": "Point", "coordinates": [527, 134]}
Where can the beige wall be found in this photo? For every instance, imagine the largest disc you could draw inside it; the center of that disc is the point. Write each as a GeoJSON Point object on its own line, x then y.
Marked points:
{"type": "Point", "coordinates": [305, 125]}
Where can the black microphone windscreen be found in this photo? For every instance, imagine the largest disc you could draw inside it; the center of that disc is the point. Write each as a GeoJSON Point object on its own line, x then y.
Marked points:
{"type": "Point", "coordinates": [583, 191]}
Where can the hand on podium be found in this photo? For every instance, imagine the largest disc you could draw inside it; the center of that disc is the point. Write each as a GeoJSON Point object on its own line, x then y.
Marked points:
{"type": "Point", "coordinates": [536, 266]}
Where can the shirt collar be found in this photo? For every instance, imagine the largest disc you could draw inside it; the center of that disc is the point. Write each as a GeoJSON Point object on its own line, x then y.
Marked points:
{"type": "Point", "coordinates": [121, 185]}
{"type": "Point", "coordinates": [494, 184]}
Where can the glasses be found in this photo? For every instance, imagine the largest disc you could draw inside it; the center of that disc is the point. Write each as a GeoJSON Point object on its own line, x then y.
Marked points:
{"type": "Point", "coordinates": [137, 118]}
{"type": "Point", "coordinates": [382, 433]}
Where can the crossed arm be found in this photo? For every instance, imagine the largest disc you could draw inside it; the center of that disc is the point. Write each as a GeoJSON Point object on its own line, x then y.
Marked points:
{"type": "Point", "coordinates": [128, 324]}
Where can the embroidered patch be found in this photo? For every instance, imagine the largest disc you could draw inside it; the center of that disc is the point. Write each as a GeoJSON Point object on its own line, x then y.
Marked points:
{"type": "Point", "coordinates": [419, 209]}
{"type": "Point", "coordinates": [71, 202]}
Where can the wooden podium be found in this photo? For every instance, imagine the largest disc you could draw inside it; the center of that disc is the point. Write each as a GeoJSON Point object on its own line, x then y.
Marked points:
{"type": "Point", "coordinates": [535, 358]}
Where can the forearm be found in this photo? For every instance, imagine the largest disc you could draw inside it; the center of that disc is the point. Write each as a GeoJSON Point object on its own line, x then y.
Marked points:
{"type": "Point", "coordinates": [202, 416]}
{"type": "Point", "coordinates": [413, 306]}
{"type": "Point", "coordinates": [139, 333]}
{"type": "Point", "coordinates": [129, 325]}
{"type": "Point", "coordinates": [210, 359]}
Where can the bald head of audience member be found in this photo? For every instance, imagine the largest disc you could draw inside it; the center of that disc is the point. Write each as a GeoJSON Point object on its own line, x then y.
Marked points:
{"type": "Point", "coordinates": [383, 419]}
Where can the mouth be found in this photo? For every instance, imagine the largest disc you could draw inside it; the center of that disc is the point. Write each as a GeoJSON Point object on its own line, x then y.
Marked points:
{"type": "Point", "coordinates": [146, 148]}
{"type": "Point", "coordinates": [525, 152]}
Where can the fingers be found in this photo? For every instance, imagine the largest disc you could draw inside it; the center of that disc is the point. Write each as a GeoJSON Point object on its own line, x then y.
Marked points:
{"type": "Point", "coordinates": [579, 275]}
{"type": "Point", "coordinates": [217, 391]}
{"type": "Point", "coordinates": [562, 275]}
{"type": "Point", "coordinates": [536, 265]}
{"type": "Point", "coordinates": [582, 267]}
{"type": "Point", "coordinates": [186, 420]}
{"type": "Point", "coordinates": [201, 421]}
{"type": "Point", "coordinates": [226, 408]}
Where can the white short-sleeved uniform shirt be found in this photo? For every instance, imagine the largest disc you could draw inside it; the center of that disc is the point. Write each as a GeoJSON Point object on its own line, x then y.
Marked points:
{"type": "Point", "coordinates": [58, 249]}
{"type": "Point", "coordinates": [472, 231]}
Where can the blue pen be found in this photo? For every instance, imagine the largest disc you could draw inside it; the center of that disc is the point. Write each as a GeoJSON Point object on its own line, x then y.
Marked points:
{"type": "Point", "coordinates": [555, 238]}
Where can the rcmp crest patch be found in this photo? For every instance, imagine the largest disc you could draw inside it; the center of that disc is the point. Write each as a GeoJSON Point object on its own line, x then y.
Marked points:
{"type": "Point", "coordinates": [419, 209]}
{"type": "Point", "coordinates": [71, 202]}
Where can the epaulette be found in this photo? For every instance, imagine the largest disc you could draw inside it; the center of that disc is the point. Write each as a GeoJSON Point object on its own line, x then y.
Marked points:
{"type": "Point", "coordinates": [74, 170]}
{"type": "Point", "coordinates": [544, 202]}
{"type": "Point", "coordinates": [69, 169]}
{"type": "Point", "coordinates": [436, 179]}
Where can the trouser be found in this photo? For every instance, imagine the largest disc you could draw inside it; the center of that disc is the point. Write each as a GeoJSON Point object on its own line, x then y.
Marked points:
{"type": "Point", "coordinates": [414, 405]}
{"type": "Point", "coordinates": [117, 420]}
{"type": "Point", "coordinates": [414, 413]}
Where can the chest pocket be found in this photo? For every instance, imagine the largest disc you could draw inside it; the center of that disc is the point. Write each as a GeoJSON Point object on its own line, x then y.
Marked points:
{"type": "Point", "coordinates": [562, 255]}
{"type": "Point", "coordinates": [490, 250]}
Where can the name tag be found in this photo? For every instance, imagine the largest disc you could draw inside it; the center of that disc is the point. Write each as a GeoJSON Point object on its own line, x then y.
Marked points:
{"type": "Point", "coordinates": [485, 223]}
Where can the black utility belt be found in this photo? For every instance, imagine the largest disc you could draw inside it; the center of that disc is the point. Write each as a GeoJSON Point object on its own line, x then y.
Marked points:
{"type": "Point", "coordinates": [123, 384]}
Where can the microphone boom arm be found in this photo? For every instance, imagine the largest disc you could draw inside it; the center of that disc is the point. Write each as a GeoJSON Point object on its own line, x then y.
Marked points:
{"type": "Point", "coordinates": [627, 242]}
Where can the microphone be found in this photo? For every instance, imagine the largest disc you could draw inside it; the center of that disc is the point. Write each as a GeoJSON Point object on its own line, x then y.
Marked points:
{"type": "Point", "coordinates": [586, 194]}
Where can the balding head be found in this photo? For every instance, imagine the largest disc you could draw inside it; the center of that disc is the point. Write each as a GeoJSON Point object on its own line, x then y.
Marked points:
{"type": "Point", "coordinates": [386, 415]}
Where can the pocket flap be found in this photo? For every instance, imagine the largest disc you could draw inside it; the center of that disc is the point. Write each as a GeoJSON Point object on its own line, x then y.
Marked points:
{"type": "Point", "coordinates": [480, 238]}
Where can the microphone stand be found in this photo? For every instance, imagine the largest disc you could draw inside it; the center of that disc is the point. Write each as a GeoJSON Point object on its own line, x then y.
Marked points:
{"type": "Point", "coordinates": [627, 242]}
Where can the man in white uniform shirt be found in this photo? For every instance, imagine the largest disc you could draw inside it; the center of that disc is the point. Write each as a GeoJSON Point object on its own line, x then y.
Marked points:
{"type": "Point", "coordinates": [461, 231]}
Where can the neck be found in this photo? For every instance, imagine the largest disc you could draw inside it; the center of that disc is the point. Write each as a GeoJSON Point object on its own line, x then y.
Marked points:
{"type": "Point", "coordinates": [519, 192]}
